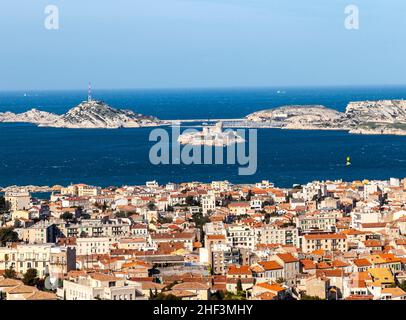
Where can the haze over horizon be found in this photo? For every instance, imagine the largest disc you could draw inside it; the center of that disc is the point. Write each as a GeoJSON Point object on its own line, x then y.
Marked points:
{"type": "Point", "coordinates": [156, 44]}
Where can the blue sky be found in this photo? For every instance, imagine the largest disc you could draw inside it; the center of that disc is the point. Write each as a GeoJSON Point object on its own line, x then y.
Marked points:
{"type": "Point", "coordinates": [200, 43]}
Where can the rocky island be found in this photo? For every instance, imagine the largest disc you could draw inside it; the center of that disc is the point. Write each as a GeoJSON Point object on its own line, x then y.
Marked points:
{"type": "Point", "coordinates": [88, 114]}
{"type": "Point", "coordinates": [211, 136]}
{"type": "Point", "coordinates": [362, 117]}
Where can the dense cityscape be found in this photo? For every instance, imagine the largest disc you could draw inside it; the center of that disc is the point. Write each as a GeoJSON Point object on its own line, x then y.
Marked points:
{"type": "Point", "coordinates": [328, 240]}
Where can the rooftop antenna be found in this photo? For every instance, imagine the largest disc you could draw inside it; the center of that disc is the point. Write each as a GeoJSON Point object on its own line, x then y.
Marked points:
{"type": "Point", "coordinates": [89, 92]}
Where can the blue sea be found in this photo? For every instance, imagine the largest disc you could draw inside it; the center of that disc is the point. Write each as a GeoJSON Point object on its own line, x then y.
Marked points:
{"type": "Point", "coordinates": [48, 156]}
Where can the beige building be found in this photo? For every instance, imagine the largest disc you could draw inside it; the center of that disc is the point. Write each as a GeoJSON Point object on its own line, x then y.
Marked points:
{"type": "Point", "coordinates": [313, 222]}
{"type": "Point", "coordinates": [93, 245]}
{"type": "Point", "coordinates": [199, 289]}
{"type": "Point", "coordinates": [274, 234]}
{"type": "Point", "coordinates": [331, 242]}
{"type": "Point", "coordinates": [187, 238]}
{"type": "Point", "coordinates": [17, 200]}
{"type": "Point", "coordinates": [290, 266]}
{"type": "Point", "coordinates": [95, 228]}
{"type": "Point", "coordinates": [133, 243]}
{"type": "Point", "coordinates": [41, 232]}
{"type": "Point", "coordinates": [45, 258]}
{"type": "Point", "coordinates": [20, 214]}
{"type": "Point", "coordinates": [100, 286]}
{"type": "Point", "coordinates": [317, 286]}
{"type": "Point", "coordinates": [80, 190]}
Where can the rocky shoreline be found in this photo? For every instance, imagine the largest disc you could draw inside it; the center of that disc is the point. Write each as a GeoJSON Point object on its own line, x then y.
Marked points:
{"type": "Point", "coordinates": [382, 117]}
{"type": "Point", "coordinates": [87, 115]}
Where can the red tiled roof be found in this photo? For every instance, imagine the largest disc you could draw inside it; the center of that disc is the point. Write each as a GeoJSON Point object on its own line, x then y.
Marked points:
{"type": "Point", "coordinates": [241, 270]}
{"type": "Point", "coordinates": [287, 257]}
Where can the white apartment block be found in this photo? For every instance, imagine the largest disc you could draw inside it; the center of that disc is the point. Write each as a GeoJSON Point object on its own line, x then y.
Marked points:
{"type": "Point", "coordinates": [316, 222]}
{"type": "Point", "coordinates": [364, 216]}
{"type": "Point", "coordinates": [95, 228]}
{"type": "Point", "coordinates": [272, 234]}
{"type": "Point", "coordinates": [241, 236]}
{"type": "Point", "coordinates": [208, 203]}
{"type": "Point", "coordinates": [42, 257]}
{"type": "Point", "coordinates": [220, 185]}
{"type": "Point", "coordinates": [93, 245]}
{"type": "Point", "coordinates": [100, 286]}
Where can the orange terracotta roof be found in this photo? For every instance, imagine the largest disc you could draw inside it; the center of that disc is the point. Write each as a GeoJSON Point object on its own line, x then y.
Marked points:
{"type": "Point", "coordinates": [308, 264]}
{"type": "Point", "coordinates": [287, 257]}
{"type": "Point", "coordinates": [271, 287]}
{"type": "Point", "coordinates": [270, 265]}
{"type": "Point", "coordinates": [235, 270]}
{"type": "Point", "coordinates": [325, 236]}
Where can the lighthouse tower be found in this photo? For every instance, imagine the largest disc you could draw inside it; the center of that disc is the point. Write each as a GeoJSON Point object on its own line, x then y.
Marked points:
{"type": "Point", "coordinates": [89, 93]}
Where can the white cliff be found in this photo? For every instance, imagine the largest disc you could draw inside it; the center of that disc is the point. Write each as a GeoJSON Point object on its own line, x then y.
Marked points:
{"type": "Point", "coordinates": [362, 117]}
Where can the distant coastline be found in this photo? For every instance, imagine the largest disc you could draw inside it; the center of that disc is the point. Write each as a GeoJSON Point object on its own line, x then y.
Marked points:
{"type": "Point", "coordinates": [371, 117]}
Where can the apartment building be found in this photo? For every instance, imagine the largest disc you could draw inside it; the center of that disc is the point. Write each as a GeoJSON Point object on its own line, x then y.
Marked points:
{"type": "Point", "coordinates": [45, 258]}
{"type": "Point", "coordinates": [241, 236]}
{"type": "Point", "coordinates": [187, 238]}
{"type": "Point", "coordinates": [17, 200]}
{"type": "Point", "coordinates": [275, 234]}
{"type": "Point", "coordinates": [81, 190]}
{"type": "Point", "coordinates": [321, 222]}
{"type": "Point", "coordinates": [222, 256]}
{"type": "Point", "coordinates": [41, 232]}
{"type": "Point", "coordinates": [331, 242]}
{"type": "Point", "coordinates": [99, 286]}
{"type": "Point", "coordinates": [208, 203]}
{"type": "Point", "coordinates": [359, 217]}
{"type": "Point", "coordinates": [93, 245]}
{"type": "Point", "coordinates": [97, 228]}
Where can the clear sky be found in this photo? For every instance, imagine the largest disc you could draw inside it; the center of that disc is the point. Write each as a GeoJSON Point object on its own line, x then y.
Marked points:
{"type": "Point", "coordinates": [200, 43]}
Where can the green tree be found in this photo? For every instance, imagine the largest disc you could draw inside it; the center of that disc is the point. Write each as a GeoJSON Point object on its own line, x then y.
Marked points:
{"type": "Point", "coordinates": [163, 220]}
{"type": "Point", "coordinates": [200, 220]}
{"type": "Point", "coordinates": [10, 273]}
{"type": "Point", "coordinates": [402, 285]}
{"type": "Point", "coordinates": [121, 214]}
{"type": "Point", "coordinates": [280, 280]}
{"type": "Point", "coordinates": [3, 204]}
{"type": "Point", "coordinates": [153, 294]}
{"type": "Point", "coordinates": [151, 206]}
{"type": "Point", "coordinates": [17, 223]}
{"type": "Point", "coordinates": [232, 296]}
{"type": "Point", "coordinates": [30, 277]}
{"type": "Point", "coordinates": [83, 234]}
{"type": "Point", "coordinates": [190, 201]}
{"type": "Point", "coordinates": [218, 295]}
{"type": "Point", "coordinates": [239, 286]}
{"type": "Point", "coordinates": [7, 235]}
{"type": "Point", "coordinates": [66, 216]}
{"type": "Point", "coordinates": [249, 195]}
{"type": "Point", "coordinates": [169, 286]}
{"type": "Point", "coordinates": [163, 296]}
